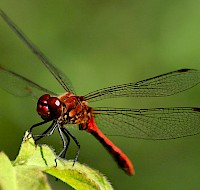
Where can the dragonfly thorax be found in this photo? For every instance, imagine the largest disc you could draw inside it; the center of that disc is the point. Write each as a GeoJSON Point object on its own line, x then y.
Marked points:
{"type": "Point", "coordinates": [75, 109]}
{"type": "Point", "coordinates": [49, 107]}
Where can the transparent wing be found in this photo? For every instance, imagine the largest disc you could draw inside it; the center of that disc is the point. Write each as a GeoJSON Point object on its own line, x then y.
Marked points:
{"type": "Point", "coordinates": [60, 76]}
{"type": "Point", "coordinates": [19, 85]}
{"type": "Point", "coordinates": [162, 85]}
{"type": "Point", "coordinates": [158, 123]}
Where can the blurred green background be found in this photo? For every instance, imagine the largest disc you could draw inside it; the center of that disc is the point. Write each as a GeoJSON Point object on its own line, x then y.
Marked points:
{"type": "Point", "coordinates": [99, 44]}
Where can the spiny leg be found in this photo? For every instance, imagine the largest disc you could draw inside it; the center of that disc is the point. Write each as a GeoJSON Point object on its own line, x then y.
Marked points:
{"type": "Point", "coordinates": [68, 142]}
{"type": "Point", "coordinates": [36, 125]}
{"type": "Point", "coordinates": [46, 132]}
{"type": "Point", "coordinates": [67, 133]}
{"type": "Point", "coordinates": [65, 145]}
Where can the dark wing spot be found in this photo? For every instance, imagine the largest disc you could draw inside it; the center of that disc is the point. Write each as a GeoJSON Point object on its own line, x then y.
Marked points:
{"type": "Point", "coordinates": [183, 70]}
{"type": "Point", "coordinates": [196, 109]}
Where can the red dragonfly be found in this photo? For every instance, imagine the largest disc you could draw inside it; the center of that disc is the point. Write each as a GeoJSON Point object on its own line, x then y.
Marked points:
{"type": "Point", "coordinates": [68, 108]}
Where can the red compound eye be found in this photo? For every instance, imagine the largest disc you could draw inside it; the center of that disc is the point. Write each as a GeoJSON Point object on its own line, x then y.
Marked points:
{"type": "Point", "coordinates": [49, 107]}
{"type": "Point", "coordinates": [55, 107]}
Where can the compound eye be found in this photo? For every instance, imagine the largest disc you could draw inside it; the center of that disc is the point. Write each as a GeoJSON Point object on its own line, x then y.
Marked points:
{"type": "Point", "coordinates": [43, 99]}
{"type": "Point", "coordinates": [49, 107]}
{"type": "Point", "coordinates": [55, 107]}
{"type": "Point", "coordinates": [43, 108]}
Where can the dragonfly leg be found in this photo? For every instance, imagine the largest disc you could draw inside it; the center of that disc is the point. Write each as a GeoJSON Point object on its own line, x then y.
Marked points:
{"type": "Point", "coordinates": [67, 133]}
{"type": "Point", "coordinates": [37, 125]}
{"type": "Point", "coordinates": [46, 133]}
{"type": "Point", "coordinates": [65, 145]}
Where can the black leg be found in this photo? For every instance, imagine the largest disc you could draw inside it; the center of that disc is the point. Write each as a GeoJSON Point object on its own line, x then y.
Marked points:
{"type": "Point", "coordinates": [61, 130]}
{"type": "Point", "coordinates": [68, 142]}
{"type": "Point", "coordinates": [65, 145]}
{"type": "Point", "coordinates": [38, 124]}
{"type": "Point", "coordinates": [67, 133]}
{"type": "Point", "coordinates": [45, 133]}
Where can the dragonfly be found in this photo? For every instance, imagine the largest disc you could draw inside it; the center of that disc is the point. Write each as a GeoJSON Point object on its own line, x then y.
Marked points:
{"type": "Point", "coordinates": [68, 108]}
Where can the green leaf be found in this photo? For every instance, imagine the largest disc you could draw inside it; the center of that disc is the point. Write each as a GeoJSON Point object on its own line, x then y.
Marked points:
{"type": "Point", "coordinates": [80, 177]}
{"type": "Point", "coordinates": [31, 178]}
{"type": "Point", "coordinates": [32, 161]}
{"type": "Point", "coordinates": [27, 150]}
{"type": "Point", "coordinates": [20, 178]}
{"type": "Point", "coordinates": [7, 173]}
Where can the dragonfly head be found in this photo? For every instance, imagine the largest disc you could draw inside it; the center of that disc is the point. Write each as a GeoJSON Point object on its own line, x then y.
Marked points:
{"type": "Point", "coordinates": [49, 107]}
